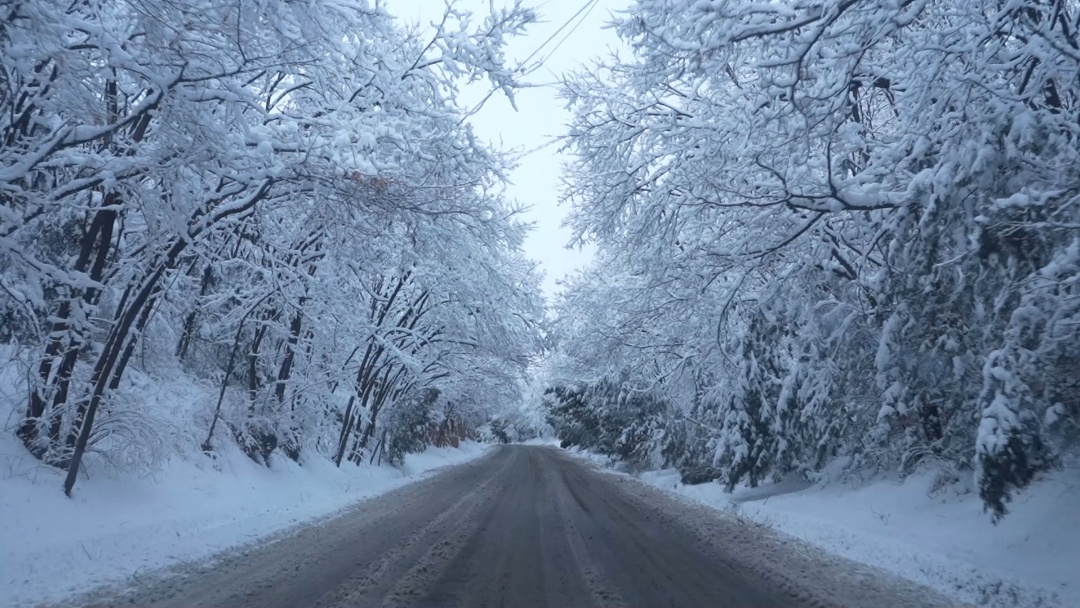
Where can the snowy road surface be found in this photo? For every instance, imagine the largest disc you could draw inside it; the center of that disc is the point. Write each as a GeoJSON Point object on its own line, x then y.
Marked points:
{"type": "Point", "coordinates": [523, 527]}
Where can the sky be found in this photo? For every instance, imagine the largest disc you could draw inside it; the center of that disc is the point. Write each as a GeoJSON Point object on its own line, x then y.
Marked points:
{"type": "Point", "coordinates": [541, 115]}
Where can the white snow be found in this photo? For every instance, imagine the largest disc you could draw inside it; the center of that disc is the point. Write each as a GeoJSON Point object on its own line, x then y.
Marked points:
{"type": "Point", "coordinates": [118, 526]}
{"type": "Point", "coordinates": [941, 539]}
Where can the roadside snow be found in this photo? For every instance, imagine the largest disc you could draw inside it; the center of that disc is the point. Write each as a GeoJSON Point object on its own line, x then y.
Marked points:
{"type": "Point", "coordinates": [541, 441]}
{"type": "Point", "coordinates": [119, 527]}
{"type": "Point", "coordinates": [158, 501]}
{"type": "Point", "coordinates": [940, 539]}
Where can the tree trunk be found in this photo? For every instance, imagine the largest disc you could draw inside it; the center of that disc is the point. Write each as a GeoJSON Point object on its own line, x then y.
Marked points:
{"type": "Point", "coordinates": [121, 332]}
{"type": "Point", "coordinates": [207, 446]}
{"type": "Point", "coordinates": [94, 247]}
{"type": "Point", "coordinates": [189, 324]}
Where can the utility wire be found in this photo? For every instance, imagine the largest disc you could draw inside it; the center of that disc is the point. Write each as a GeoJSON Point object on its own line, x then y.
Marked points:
{"type": "Point", "coordinates": [582, 12]}
{"type": "Point", "coordinates": [590, 6]}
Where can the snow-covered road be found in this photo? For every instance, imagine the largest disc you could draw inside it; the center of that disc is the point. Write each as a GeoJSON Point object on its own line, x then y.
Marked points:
{"type": "Point", "coordinates": [526, 526]}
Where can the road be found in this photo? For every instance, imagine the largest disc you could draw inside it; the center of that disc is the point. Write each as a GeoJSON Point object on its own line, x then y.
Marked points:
{"type": "Point", "coordinates": [525, 527]}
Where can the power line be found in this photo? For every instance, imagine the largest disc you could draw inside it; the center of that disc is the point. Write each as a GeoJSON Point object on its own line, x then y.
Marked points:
{"type": "Point", "coordinates": [585, 8]}
{"type": "Point", "coordinates": [590, 6]}
{"type": "Point", "coordinates": [582, 12]}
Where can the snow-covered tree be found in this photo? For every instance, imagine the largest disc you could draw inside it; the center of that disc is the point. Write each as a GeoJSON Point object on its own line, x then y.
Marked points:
{"type": "Point", "coordinates": [268, 191]}
{"type": "Point", "coordinates": [854, 224]}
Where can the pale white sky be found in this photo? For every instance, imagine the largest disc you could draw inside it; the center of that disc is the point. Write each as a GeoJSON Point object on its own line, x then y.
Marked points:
{"type": "Point", "coordinates": [541, 115]}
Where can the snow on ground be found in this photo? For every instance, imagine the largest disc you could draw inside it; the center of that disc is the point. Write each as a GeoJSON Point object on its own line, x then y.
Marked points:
{"type": "Point", "coordinates": [941, 539]}
{"type": "Point", "coordinates": [128, 518]}
{"type": "Point", "coordinates": [549, 441]}
{"type": "Point", "coordinates": [116, 528]}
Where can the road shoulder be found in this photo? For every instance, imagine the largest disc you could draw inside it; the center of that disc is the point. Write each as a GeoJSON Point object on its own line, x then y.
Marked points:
{"type": "Point", "coordinates": [800, 569]}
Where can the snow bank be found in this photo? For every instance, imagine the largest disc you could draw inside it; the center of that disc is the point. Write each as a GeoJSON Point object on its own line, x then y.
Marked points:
{"type": "Point", "coordinates": [115, 527]}
{"type": "Point", "coordinates": [939, 539]}
{"type": "Point", "coordinates": [122, 522]}
{"type": "Point", "coordinates": [550, 441]}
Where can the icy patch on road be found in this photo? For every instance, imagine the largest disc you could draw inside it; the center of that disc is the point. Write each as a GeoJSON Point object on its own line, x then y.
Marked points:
{"type": "Point", "coordinates": [939, 539]}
